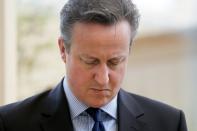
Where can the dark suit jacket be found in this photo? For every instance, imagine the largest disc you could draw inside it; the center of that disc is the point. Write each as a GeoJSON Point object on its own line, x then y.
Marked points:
{"type": "Point", "coordinates": [49, 111]}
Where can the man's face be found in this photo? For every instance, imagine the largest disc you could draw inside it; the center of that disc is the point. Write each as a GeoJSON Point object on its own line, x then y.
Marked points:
{"type": "Point", "coordinates": [97, 60]}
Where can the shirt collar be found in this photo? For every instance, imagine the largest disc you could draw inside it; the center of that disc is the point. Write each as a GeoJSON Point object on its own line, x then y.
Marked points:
{"type": "Point", "coordinates": [77, 107]}
{"type": "Point", "coordinates": [111, 108]}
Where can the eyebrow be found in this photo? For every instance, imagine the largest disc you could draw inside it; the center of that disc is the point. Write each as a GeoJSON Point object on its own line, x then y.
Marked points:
{"type": "Point", "coordinates": [87, 56]}
{"type": "Point", "coordinates": [121, 57]}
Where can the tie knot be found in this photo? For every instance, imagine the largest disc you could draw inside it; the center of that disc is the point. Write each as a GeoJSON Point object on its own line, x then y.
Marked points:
{"type": "Point", "coordinates": [95, 113]}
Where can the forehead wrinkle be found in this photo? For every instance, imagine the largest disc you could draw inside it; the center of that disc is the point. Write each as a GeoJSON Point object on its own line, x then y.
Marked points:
{"type": "Point", "coordinates": [96, 30]}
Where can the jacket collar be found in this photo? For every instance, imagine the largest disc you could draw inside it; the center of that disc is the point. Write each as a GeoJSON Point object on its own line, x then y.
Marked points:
{"type": "Point", "coordinates": [130, 113]}
{"type": "Point", "coordinates": [56, 111]}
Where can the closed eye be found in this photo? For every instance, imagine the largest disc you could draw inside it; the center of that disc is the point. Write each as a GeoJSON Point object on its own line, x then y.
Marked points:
{"type": "Point", "coordinates": [92, 62]}
{"type": "Point", "coordinates": [115, 61]}
{"type": "Point", "coordinates": [89, 61]}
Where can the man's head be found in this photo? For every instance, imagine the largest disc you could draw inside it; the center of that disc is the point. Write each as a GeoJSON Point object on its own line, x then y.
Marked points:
{"type": "Point", "coordinates": [95, 47]}
{"type": "Point", "coordinates": [106, 12]}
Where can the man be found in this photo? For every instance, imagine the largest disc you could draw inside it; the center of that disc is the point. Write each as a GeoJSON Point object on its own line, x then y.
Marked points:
{"type": "Point", "coordinates": [96, 38]}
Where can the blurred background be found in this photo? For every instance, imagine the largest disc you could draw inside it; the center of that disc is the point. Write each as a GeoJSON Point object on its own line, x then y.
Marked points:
{"type": "Point", "coordinates": [162, 65]}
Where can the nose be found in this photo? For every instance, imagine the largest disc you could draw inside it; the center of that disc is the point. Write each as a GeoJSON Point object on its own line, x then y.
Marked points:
{"type": "Point", "coordinates": [102, 75]}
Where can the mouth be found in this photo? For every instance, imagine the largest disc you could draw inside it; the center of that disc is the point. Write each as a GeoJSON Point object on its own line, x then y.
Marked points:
{"type": "Point", "coordinates": [97, 91]}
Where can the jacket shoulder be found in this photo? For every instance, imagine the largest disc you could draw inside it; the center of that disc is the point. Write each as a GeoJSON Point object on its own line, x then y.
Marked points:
{"type": "Point", "coordinates": [33, 101]}
{"type": "Point", "coordinates": [153, 105]}
{"type": "Point", "coordinates": [159, 114]}
{"type": "Point", "coordinates": [23, 108]}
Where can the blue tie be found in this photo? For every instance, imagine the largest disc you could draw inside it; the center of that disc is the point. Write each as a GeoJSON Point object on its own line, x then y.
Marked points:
{"type": "Point", "coordinates": [95, 113]}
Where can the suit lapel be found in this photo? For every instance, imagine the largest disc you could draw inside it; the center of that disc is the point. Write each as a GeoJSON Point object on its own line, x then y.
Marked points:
{"type": "Point", "coordinates": [56, 115]}
{"type": "Point", "coordinates": [130, 114]}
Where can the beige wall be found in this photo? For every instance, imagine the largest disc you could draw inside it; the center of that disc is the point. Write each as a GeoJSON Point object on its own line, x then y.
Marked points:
{"type": "Point", "coordinates": [156, 68]}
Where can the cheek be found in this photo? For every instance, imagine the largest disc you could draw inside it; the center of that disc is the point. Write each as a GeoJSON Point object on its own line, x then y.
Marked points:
{"type": "Point", "coordinates": [117, 76]}
{"type": "Point", "coordinates": [78, 77]}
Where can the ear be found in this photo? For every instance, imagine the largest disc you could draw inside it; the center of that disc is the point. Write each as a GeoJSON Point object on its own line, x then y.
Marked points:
{"type": "Point", "coordinates": [62, 49]}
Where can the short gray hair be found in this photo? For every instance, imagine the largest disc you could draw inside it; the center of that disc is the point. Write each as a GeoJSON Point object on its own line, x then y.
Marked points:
{"type": "Point", "coordinates": [106, 12]}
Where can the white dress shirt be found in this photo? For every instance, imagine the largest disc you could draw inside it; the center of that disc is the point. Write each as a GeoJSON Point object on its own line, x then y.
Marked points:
{"type": "Point", "coordinates": [82, 121]}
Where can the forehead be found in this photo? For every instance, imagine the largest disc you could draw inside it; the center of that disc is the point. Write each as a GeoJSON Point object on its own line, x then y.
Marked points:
{"type": "Point", "coordinates": [101, 40]}
{"type": "Point", "coordinates": [84, 30]}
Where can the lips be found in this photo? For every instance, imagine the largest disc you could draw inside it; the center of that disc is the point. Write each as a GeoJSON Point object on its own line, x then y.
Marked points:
{"type": "Point", "coordinates": [99, 89]}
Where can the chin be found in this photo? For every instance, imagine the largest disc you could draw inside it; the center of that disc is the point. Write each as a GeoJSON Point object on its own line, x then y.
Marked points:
{"type": "Point", "coordinates": [98, 104]}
